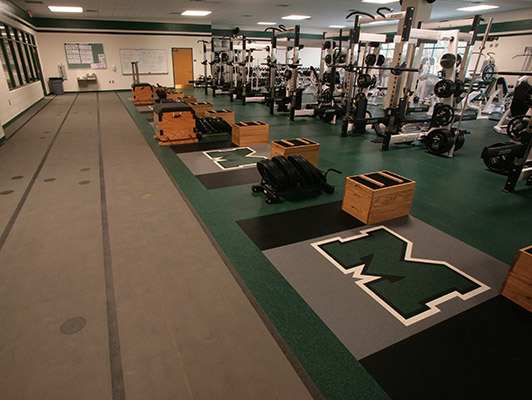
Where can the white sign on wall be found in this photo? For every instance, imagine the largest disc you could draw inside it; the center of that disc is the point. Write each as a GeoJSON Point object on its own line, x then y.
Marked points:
{"type": "Point", "coordinates": [150, 61]}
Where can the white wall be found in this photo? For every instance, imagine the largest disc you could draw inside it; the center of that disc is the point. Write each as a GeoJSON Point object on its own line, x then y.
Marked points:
{"type": "Point", "coordinates": [51, 48]}
{"type": "Point", "coordinates": [13, 102]}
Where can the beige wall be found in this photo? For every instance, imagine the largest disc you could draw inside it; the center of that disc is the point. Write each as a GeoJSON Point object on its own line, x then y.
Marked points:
{"type": "Point", "coordinates": [51, 48]}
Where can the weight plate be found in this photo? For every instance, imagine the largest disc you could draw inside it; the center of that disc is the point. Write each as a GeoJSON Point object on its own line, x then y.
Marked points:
{"type": "Point", "coordinates": [439, 141]}
{"type": "Point", "coordinates": [288, 169]}
{"type": "Point", "coordinates": [326, 45]}
{"type": "Point", "coordinates": [371, 59]}
{"type": "Point", "coordinates": [517, 126]}
{"type": "Point", "coordinates": [318, 176]}
{"type": "Point", "coordinates": [364, 81]}
{"type": "Point", "coordinates": [380, 60]}
{"type": "Point", "coordinates": [272, 174]}
{"type": "Point", "coordinates": [328, 59]}
{"type": "Point", "coordinates": [460, 88]}
{"type": "Point", "coordinates": [528, 97]}
{"type": "Point", "coordinates": [448, 60]}
{"type": "Point", "coordinates": [502, 163]}
{"type": "Point", "coordinates": [458, 60]}
{"type": "Point", "coordinates": [305, 170]}
{"type": "Point", "coordinates": [459, 142]}
{"type": "Point", "coordinates": [443, 114]}
{"type": "Point", "coordinates": [444, 88]}
{"type": "Point", "coordinates": [359, 97]}
{"type": "Point", "coordinates": [488, 72]}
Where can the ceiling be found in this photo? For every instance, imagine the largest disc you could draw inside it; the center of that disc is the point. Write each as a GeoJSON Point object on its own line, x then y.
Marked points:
{"type": "Point", "coordinates": [245, 13]}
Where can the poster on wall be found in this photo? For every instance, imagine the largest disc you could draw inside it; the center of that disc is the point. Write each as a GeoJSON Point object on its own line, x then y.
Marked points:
{"type": "Point", "coordinates": [85, 55]}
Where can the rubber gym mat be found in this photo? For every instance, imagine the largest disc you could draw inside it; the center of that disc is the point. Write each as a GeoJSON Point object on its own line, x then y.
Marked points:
{"type": "Point", "coordinates": [482, 353]}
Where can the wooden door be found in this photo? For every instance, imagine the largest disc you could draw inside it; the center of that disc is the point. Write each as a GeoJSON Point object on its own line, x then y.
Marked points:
{"type": "Point", "coordinates": [183, 68]}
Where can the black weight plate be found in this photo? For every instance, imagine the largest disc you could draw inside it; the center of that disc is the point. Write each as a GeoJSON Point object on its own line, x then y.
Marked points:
{"type": "Point", "coordinates": [460, 88]}
{"type": "Point", "coordinates": [364, 81]}
{"type": "Point", "coordinates": [326, 45]}
{"type": "Point", "coordinates": [317, 175]}
{"type": "Point", "coordinates": [488, 72]}
{"type": "Point", "coordinates": [380, 60]}
{"type": "Point", "coordinates": [305, 169]}
{"type": "Point", "coordinates": [502, 163]}
{"type": "Point", "coordinates": [439, 141]}
{"type": "Point", "coordinates": [444, 88]}
{"type": "Point", "coordinates": [359, 97]}
{"type": "Point", "coordinates": [459, 142]}
{"type": "Point", "coordinates": [528, 97]}
{"type": "Point", "coordinates": [443, 114]}
{"type": "Point", "coordinates": [288, 169]}
{"type": "Point", "coordinates": [328, 59]}
{"type": "Point", "coordinates": [272, 174]}
{"type": "Point", "coordinates": [448, 60]}
{"type": "Point", "coordinates": [458, 60]}
{"type": "Point", "coordinates": [517, 126]}
{"type": "Point", "coordinates": [371, 59]}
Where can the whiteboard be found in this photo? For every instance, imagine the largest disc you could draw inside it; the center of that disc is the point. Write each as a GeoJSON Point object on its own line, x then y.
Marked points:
{"type": "Point", "coordinates": [151, 61]}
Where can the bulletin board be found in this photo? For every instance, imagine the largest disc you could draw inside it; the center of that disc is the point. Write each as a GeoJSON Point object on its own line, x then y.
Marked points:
{"type": "Point", "coordinates": [85, 55]}
{"type": "Point", "coordinates": [151, 61]}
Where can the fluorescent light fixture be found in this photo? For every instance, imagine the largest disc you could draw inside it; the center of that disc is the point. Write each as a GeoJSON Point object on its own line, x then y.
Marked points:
{"type": "Point", "coordinates": [266, 23]}
{"type": "Point", "coordinates": [477, 8]}
{"type": "Point", "coordinates": [196, 13]}
{"type": "Point", "coordinates": [65, 9]}
{"type": "Point", "coordinates": [297, 17]}
{"type": "Point", "coordinates": [337, 26]}
{"type": "Point", "coordinates": [380, 1]}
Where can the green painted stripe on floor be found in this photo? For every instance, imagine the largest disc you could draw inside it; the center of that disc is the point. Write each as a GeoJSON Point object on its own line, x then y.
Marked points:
{"type": "Point", "coordinates": [331, 366]}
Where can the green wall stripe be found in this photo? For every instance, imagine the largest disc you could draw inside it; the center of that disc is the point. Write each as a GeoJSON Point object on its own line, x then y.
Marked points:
{"type": "Point", "coordinates": [2, 140]}
{"type": "Point", "coordinates": [9, 9]}
{"type": "Point", "coordinates": [118, 25]}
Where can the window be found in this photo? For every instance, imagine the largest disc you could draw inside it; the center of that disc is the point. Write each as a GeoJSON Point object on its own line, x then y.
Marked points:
{"type": "Point", "coordinates": [19, 57]}
{"type": "Point", "coordinates": [432, 53]}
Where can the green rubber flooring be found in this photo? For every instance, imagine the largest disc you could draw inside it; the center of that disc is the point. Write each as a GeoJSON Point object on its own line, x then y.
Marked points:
{"type": "Point", "coordinates": [455, 195]}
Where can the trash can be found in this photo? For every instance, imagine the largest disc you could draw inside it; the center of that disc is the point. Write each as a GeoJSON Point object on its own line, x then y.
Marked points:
{"type": "Point", "coordinates": [56, 85]}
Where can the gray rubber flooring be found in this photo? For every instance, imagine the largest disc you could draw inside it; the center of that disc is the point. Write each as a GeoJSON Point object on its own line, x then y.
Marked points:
{"type": "Point", "coordinates": [109, 287]}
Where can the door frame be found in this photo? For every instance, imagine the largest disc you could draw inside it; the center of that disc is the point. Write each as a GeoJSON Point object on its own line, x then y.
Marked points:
{"type": "Point", "coordinates": [173, 67]}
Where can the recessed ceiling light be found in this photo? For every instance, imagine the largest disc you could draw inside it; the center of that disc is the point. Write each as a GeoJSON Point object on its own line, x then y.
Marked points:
{"type": "Point", "coordinates": [479, 7]}
{"type": "Point", "coordinates": [266, 23]}
{"type": "Point", "coordinates": [66, 9]}
{"type": "Point", "coordinates": [337, 26]}
{"type": "Point", "coordinates": [379, 1]}
{"type": "Point", "coordinates": [196, 13]}
{"type": "Point", "coordinates": [297, 17]}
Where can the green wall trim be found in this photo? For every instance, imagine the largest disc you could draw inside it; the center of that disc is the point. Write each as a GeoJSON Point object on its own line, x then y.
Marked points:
{"type": "Point", "coordinates": [10, 9]}
{"type": "Point", "coordinates": [119, 25]}
{"type": "Point", "coordinates": [20, 114]}
{"type": "Point", "coordinates": [2, 140]}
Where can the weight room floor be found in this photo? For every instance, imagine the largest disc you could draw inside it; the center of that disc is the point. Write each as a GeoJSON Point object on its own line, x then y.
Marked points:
{"type": "Point", "coordinates": [119, 247]}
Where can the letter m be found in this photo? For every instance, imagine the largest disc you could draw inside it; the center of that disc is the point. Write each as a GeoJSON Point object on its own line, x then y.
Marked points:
{"type": "Point", "coordinates": [409, 288]}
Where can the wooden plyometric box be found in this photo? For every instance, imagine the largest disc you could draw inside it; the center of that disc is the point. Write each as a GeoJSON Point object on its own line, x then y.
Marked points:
{"type": "Point", "coordinates": [300, 146]}
{"type": "Point", "coordinates": [142, 94]}
{"type": "Point", "coordinates": [378, 196]}
{"type": "Point", "coordinates": [518, 284]}
{"type": "Point", "coordinates": [227, 115]}
{"type": "Point", "coordinates": [174, 123]}
{"type": "Point", "coordinates": [201, 108]}
{"type": "Point", "coordinates": [189, 99]}
{"type": "Point", "coordinates": [250, 133]}
{"type": "Point", "coordinates": [171, 95]}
